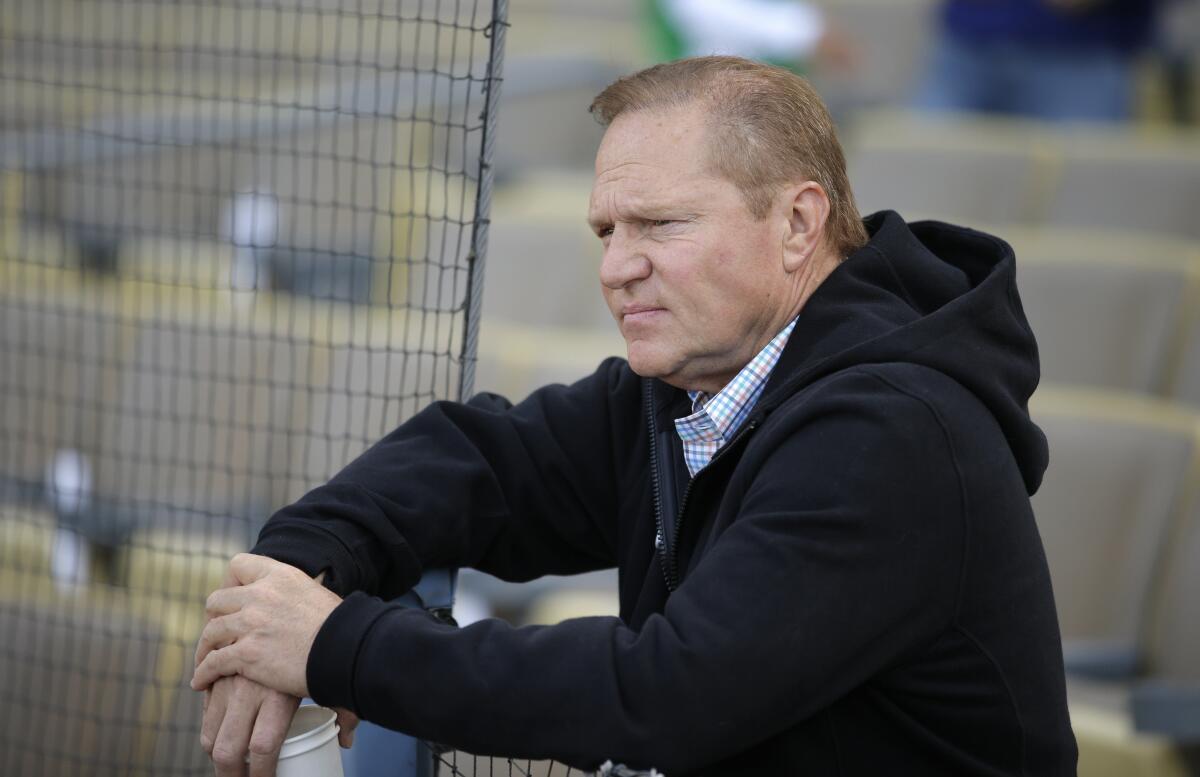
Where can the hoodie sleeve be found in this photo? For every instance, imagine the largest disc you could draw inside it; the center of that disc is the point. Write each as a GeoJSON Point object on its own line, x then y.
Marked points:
{"type": "Point", "coordinates": [844, 558]}
{"type": "Point", "coordinates": [517, 492]}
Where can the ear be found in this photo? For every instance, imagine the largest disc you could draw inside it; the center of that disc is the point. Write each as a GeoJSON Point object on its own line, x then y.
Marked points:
{"type": "Point", "coordinates": [806, 224]}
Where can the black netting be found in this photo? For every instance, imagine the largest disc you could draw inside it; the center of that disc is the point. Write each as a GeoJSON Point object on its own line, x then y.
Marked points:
{"type": "Point", "coordinates": [455, 764]}
{"type": "Point", "coordinates": [237, 241]}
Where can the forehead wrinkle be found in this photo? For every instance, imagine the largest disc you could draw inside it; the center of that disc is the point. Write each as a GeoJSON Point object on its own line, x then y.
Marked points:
{"type": "Point", "coordinates": [639, 195]}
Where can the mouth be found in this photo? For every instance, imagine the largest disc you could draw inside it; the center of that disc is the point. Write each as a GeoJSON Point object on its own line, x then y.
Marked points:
{"type": "Point", "coordinates": [639, 312]}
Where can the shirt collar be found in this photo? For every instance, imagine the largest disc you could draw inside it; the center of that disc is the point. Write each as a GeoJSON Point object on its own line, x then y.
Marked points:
{"type": "Point", "coordinates": [729, 407]}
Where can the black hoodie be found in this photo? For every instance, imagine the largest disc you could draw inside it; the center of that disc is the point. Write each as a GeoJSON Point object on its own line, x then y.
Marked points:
{"type": "Point", "coordinates": [853, 586]}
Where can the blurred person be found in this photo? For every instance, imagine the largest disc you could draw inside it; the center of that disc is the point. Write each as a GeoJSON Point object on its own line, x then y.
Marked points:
{"type": "Point", "coordinates": [787, 33]}
{"type": "Point", "coordinates": [1062, 60]}
{"type": "Point", "coordinates": [812, 472]}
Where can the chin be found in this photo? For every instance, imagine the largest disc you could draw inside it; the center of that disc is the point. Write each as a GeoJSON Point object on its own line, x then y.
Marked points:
{"type": "Point", "coordinates": [643, 363]}
{"type": "Point", "coordinates": [650, 365]}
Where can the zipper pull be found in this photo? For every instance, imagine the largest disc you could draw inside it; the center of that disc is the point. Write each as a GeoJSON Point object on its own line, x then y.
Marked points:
{"type": "Point", "coordinates": [660, 543]}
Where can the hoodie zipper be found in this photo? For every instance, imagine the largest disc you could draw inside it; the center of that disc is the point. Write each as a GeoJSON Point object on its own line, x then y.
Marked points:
{"type": "Point", "coordinates": [660, 529]}
{"type": "Point", "coordinates": [668, 552]}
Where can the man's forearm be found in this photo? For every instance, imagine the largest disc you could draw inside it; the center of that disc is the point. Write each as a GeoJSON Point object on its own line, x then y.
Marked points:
{"type": "Point", "coordinates": [516, 492]}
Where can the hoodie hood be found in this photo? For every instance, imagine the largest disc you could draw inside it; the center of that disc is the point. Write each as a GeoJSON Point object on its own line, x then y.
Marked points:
{"type": "Point", "coordinates": [932, 294]}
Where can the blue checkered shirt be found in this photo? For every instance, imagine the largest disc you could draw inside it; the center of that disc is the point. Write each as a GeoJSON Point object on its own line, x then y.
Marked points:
{"type": "Point", "coordinates": [716, 418]}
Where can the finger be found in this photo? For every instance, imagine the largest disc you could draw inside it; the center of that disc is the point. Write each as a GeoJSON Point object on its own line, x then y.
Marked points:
{"type": "Point", "coordinates": [270, 729]}
{"type": "Point", "coordinates": [216, 699]}
{"type": "Point", "coordinates": [233, 739]}
{"type": "Point", "coordinates": [347, 721]}
{"type": "Point", "coordinates": [218, 633]}
{"type": "Point", "coordinates": [224, 601]}
{"type": "Point", "coordinates": [227, 581]}
{"type": "Point", "coordinates": [217, 664]}
{"type": "Point", "coordinates": [247, 567]}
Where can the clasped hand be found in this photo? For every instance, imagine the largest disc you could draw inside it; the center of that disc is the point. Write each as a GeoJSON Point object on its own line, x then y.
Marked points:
{"type": "Point", "coordinates": [273, 611]}
{"type": "Point", "coordinates": [263, 626]}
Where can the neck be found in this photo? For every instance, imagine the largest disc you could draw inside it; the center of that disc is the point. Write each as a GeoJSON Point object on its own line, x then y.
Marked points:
{"type": "Point", "coordinates": [811, 275]}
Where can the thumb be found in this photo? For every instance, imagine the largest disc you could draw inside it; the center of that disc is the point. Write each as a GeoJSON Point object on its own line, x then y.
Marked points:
{"type": "Point", "coordinates": [247, 567]}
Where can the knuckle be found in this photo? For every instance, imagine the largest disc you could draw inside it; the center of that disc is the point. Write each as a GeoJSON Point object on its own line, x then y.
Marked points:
{"type": "Point", "coordinates": [264, 745]}
{"type": "Point", "coordinates": [225, 756]}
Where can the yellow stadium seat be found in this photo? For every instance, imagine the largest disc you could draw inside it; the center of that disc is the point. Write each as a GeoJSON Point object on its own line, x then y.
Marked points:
{"type": "Point", "coordinates": [1120, 521]}
{"type": "Point", "coordinates": [1107, 313]}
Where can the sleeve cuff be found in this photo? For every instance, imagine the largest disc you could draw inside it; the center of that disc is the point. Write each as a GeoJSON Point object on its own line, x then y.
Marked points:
{"type": "Point", "coordinates": [331, 661]}
{"type": "Point", "coordinates": [311, 550]}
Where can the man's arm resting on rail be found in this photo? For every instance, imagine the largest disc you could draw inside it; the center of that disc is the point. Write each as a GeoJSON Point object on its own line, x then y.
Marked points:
{"type": "Point", "coordinates": [813, 590]}
{"type": "Point", "coordinates": [515, 491]}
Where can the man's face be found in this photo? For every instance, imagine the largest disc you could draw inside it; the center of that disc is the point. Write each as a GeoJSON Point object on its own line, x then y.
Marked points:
{"type": "Point", "coordinates": [695, 282]}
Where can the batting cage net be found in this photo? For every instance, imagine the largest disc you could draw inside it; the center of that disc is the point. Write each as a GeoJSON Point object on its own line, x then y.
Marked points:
{"type": "Point", "coordinates": [239, 241]}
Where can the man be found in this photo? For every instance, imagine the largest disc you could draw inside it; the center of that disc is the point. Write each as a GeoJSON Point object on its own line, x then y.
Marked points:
{"type": "Point", "coordinates": [812, 474]}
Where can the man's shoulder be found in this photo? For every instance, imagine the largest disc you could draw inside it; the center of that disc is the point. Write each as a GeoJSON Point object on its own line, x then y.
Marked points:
{"type": "Point", "coordinates": [887, 404]}
{"type": "Point", "coordinates": [884, 382]}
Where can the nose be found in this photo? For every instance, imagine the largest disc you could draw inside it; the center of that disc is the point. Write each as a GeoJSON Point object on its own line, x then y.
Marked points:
{"type": "Point", "coordinates": [624, 261]}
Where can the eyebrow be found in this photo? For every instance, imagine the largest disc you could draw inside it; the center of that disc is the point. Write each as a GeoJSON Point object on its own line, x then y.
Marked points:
{"type": "Point", "coordinates": [648, 211]}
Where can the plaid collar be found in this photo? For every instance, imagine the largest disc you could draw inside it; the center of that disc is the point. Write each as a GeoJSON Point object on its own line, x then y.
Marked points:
{"type": "Point", "coordinates": [715, 418]}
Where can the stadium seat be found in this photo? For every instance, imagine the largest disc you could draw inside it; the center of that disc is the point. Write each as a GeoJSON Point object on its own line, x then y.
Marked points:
{"type": "Point", "coordinates": [1128, 180]}
{"type": "Point", "coordinates": [543, 264]}
{"type": "Point", "coordinates": [74, 704]}
{"type": "Point", "coordinates": [545, 273]}
{"type": "Point", "coordinates": [1106, 313]}
{"type": "Point", "coordinates": [1120, 468]}
{"type": "Point", "coordinates": [168, 574]}
{"type": "Point", "coordinates": [366, 377]}
{"type": "Point", "coordinates": [26, 539]}
{"type": "Point", "coordinates": [209, 404]}
{"type": "Point", "coordinates": [1174, 643]}
{"type": "Point", "coordinates": [1118, 517]}
{"type": "Point", "coordinates": [1110, 747]}
{"type": "Point", "coordinates": [967, 170]}
{"type": "Point", "coordinates": [1149, 724]}
{"type": "Point", "coordinates": [58, 356]}
{"type": "Point", "coordinates": [977, 169]}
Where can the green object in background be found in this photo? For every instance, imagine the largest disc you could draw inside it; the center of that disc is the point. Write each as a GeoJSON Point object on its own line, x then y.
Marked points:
{"type": "Point", "coordinates": [668, 42]}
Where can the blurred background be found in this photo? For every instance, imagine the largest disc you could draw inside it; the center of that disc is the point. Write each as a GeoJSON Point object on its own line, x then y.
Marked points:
{"type": "Point", "coordinates": [239, 242]}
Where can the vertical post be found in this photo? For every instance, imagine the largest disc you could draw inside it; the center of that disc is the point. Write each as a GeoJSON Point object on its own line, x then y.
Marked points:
{"type": "Point", "coordinates": [483, 200]}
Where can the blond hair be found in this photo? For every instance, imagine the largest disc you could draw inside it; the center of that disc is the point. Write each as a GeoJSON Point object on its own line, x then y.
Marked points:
{"type": "Point", "coordinates": [767, 127]}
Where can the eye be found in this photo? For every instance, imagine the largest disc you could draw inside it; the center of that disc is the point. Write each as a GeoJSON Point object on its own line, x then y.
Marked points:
{"type": "Point", "coordinates": [604, 232]}
{"type": "Point", "coordinates": [662, 222]}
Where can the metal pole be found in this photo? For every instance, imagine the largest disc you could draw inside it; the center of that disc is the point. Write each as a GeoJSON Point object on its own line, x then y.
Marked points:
{"type": "Point", "coordinates": [483, 200]}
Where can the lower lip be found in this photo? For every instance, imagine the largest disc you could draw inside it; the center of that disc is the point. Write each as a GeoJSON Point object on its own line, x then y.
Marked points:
{"type": "Point", "coordinates": [642, 316]}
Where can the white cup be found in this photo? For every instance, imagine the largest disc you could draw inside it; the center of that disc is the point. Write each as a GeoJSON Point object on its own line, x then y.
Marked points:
{"type": "Point", "coordinates": [311, 747]}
